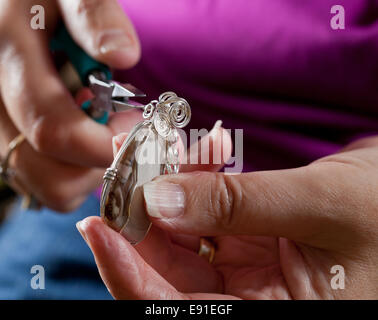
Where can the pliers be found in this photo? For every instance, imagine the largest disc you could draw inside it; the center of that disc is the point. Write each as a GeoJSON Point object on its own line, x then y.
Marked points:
{"type": "Point", "coordinates": [109, 95]}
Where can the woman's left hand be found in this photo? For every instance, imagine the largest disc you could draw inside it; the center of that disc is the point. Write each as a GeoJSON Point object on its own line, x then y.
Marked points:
{"type": "Point", "coordinates": [277, 234]}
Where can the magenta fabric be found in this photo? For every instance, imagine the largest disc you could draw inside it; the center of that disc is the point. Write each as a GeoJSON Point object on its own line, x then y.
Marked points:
{"type": "Point", "coordinates": [298, 88]}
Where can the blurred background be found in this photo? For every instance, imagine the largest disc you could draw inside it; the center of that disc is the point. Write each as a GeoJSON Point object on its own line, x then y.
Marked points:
{"type": "Point", "coordinates": [299, 89]}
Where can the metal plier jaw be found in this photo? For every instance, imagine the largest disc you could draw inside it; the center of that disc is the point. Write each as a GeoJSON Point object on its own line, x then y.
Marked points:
{"type": "Point", "coordinates": [110, 96]}
{"type": "Point", "coordinates": [113, 96]}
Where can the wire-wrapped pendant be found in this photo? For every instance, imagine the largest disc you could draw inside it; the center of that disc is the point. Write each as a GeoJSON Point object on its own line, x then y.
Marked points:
{"type": "Point", "coordinates": [149, 150]}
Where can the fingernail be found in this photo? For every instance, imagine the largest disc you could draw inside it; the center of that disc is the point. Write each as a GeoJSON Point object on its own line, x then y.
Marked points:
{"type": "Point", "coordinates": [113, 40]}
{"type": "Point", "coordinates": [217, 125]}
{"type": "Point", "coordinates": [79, 227]}
{"type": "Point", "coordinates": [164, 199]}
{"type": "Point", "coordinates": [117, 142]}
{"type": "Point", "coordinates": [120, 139]}
{"type": "Point", "coordinates": [114, 144]}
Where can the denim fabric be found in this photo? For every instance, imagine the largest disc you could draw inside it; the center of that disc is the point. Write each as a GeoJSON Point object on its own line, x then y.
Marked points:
{"type": "Point", "coordinates": [49, 239]}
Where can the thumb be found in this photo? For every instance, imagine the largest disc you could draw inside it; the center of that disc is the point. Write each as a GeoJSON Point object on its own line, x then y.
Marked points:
{"type": "Point", "coordinates": [124, 272]}
{"type": "Point", "coordinates": [102, 29]}
{"type": "Point", "coordinates": [291, 203]}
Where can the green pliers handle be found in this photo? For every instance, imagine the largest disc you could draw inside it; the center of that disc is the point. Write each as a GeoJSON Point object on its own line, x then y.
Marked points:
{"type": "Point", "coordinates": [82, 62]}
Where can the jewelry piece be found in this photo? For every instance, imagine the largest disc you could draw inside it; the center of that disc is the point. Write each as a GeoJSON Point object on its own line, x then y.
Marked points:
{"type": "Point", "coordinates": [149, 150]}
{"type": "Point", "coordinates": [7, 173]}
{"type": "Point", "coordinates": [206, 250]}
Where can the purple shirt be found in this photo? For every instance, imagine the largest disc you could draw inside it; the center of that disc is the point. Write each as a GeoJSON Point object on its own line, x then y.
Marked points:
{"type": "Point", "coordinates": [298, 88]}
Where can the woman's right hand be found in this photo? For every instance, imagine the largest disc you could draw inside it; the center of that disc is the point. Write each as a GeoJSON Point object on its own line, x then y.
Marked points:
{"type": "Point", "coordinates": [63, 148]}
{"type": "Point", "coordinates": [300, 233]}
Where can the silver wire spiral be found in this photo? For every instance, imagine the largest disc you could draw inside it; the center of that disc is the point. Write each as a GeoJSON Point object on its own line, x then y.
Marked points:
{"type": "Point", "coordinates": [179, 112]}
{"type": "Point", "coordinates": [166, 96]}
{"type": "Point", "coordinates": [149, 109]}
{"type": "Point", "coordinates": [170, 110]}
{"type": "Point", "coordinates": [177, 108]}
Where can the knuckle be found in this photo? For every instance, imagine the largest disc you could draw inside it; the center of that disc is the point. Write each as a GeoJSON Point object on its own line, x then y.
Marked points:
{"type": "Point", "coordinates": [45, 134]}
{"type": "Point", "coordinates": [225, 199]}
{"type": "Point", "coordinates": [45, 130]}
{"type": "Point", "coordinates": [41, 135]}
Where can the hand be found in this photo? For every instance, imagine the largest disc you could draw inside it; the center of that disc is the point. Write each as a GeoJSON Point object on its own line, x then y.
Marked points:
{"type": "Point", "coordinates": [277, 233]}
{"type": "Point", "coordinates": [63, 144]}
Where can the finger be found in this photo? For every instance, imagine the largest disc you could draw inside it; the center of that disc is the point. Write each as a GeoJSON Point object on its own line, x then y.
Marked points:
{"type": "Point", "coordinates": [117, 121]}
{"type": "Point", "coordinates": [105, 31]}
{"type": "Point", "coordinates": [118, 141]}
{"type": "Point", "coordinates": [208, 154]}
{"type": "Point", "coordinates": [181, 266]}
{"type": "Point", "coordinates": [124, 272]}
{"type": "Point", "coordinates": [211, 152]}
{"type": "Point", "coordinates": [189, 242]}
{"type": "Point", "coordinates": [59, 186]}
{"type": "Point", "coordinates": [296, 203]}
{"type": "Point", "coordinates": [43, 110]}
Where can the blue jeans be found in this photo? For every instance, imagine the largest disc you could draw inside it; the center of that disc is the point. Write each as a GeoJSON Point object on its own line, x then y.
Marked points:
{"type": "Point", "coordinates": [51, 240]}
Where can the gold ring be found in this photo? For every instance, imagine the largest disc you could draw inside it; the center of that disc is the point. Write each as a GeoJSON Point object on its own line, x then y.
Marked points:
{"type": "Point", "coordinates": [5, 172]}
{"type": "Point", "coordinates": [206, 249]}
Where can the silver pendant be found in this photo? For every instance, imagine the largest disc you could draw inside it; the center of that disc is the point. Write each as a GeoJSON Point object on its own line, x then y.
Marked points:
{"type": "Point", "coordinates": [149, 150]}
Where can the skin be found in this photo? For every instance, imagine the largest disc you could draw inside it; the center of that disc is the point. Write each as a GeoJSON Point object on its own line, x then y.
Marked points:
{"type": "Point", "coordinates": [277, 234]}
{"type": "Point", "coordinates": [34, 101]}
